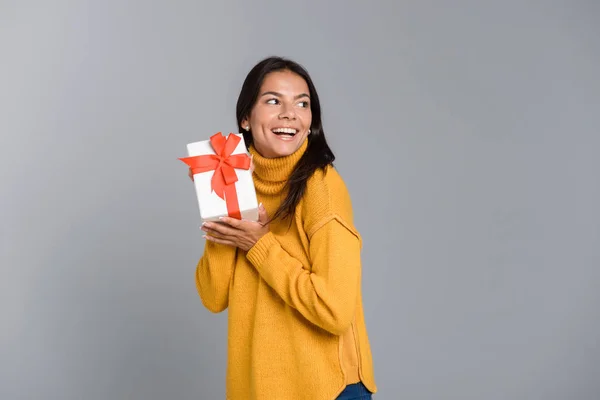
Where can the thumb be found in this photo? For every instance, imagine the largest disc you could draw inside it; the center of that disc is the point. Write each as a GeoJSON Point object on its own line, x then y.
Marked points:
{"type": "Point", "coordinates": [263, 218]}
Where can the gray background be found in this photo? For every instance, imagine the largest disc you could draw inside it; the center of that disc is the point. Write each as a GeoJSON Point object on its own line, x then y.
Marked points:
{"type": "Point", "coordinates": [467, 133]}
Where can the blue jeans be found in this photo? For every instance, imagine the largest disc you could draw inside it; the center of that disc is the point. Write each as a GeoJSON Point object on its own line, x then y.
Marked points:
{"type": "Point", "coordinates": [356, 391]}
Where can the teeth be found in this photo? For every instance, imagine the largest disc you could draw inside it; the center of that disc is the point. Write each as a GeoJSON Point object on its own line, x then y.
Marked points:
{"type": "Point", "coordinates": [289, 131]}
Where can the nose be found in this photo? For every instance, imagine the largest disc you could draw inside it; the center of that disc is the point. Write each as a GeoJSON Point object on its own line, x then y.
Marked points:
{"type": "Point", "coordinates": [287, 112]}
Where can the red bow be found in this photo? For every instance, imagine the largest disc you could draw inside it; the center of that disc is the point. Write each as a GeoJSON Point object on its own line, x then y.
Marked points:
{"type": "Point", "coordinates": [224, 164]}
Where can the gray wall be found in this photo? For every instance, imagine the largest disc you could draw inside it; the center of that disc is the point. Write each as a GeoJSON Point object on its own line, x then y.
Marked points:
{"type": "Point", "coordinates": [467, 133]}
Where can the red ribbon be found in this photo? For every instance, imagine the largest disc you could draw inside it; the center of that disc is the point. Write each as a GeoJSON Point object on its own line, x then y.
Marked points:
{"type": "Point", "coordinates": [224, 164]}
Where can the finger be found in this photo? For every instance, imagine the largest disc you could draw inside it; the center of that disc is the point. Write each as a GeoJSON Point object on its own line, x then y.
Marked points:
{"type": "Point", "coordinates": [219, 240]}
{"type": "Point", "coordinates": [233, 222]}
{"type": "Point", "coordinates": [219, 235]}
{"type": "Point", "coordinates": [214, 233]}
{"type": "Point", "coordinates": [263, 217]}
{"type": "Point", "coordinates": [222, 229]}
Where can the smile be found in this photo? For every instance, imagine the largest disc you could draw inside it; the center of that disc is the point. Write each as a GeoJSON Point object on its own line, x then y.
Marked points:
{"type": "Point", "coordinates": [285, 131]}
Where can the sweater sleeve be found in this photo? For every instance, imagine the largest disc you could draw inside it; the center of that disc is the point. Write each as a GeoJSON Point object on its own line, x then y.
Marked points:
{"type": "Point", "coordinates": [213, 275]}
{"type": "Point", "coordinates": [325, 293]}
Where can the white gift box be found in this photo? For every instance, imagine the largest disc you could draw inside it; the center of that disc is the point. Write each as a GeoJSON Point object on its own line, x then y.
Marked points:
{"type": "Point", "coordinates": [211, 206]}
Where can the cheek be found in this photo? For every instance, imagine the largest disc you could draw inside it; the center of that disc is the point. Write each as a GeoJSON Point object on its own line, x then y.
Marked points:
{"type": "Point", "coordinates": [308, 118]}
{"type": "Point", "coordinates": [261, 116]}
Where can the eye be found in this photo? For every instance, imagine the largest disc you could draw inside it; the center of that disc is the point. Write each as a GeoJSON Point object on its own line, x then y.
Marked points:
{"type": "Point", "coordinates": [304, 104]}
{"type": "Point", "coordinates": [272, 101]}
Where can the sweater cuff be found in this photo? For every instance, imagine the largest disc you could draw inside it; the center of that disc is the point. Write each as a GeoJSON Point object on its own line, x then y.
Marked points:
{"type": "Point", "coordinates": [260, 251]}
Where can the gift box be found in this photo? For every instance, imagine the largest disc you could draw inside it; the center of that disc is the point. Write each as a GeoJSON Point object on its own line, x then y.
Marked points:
{"type": "Point", "coordinates": [222, 178]}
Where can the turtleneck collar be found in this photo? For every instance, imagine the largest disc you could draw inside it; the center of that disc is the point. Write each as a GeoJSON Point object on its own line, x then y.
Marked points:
{"type": "Point", "coordinates": [276, 169]}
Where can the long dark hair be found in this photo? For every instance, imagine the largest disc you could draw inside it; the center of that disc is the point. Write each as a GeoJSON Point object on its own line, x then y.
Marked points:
{"type": "Point", "coordinates": [317, 154]}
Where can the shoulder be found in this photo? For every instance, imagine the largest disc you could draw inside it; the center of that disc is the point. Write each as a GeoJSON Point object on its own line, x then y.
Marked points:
{"type": "Point", "coordinates": [326, 198]}
{"type": "Point", "coordinates": [326, 189]}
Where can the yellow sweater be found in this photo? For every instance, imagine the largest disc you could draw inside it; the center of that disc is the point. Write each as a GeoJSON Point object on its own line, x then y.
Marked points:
{"type": "Point", "coordinates": [296, 328]}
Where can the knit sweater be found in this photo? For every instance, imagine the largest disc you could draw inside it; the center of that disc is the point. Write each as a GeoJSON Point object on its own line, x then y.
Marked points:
{"type": "Point", "coordinates": [296, 328]}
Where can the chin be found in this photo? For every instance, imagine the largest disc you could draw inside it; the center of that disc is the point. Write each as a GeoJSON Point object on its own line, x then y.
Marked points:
{"type": "Point", "coordinates": [283, 148]}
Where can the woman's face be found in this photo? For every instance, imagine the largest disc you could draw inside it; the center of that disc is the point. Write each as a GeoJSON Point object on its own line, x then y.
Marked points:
{"type": "Point", "coordinates": [281, 117]}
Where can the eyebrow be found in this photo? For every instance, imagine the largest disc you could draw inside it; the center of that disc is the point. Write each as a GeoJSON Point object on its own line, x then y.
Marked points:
{"type": "Point", "coordinates": [280, 95]}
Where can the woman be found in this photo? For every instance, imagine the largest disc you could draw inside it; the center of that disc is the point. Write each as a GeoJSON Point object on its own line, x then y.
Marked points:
{"type": "Point", "coordinates": [291, 282]}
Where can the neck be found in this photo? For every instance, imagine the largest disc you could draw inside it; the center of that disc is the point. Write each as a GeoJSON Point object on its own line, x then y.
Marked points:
{"type": "Point", "coordinates": [276, 169]}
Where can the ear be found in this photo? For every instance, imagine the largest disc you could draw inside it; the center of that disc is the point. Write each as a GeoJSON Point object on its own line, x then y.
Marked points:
{"type": "Point", "coordinates": [245, 124]}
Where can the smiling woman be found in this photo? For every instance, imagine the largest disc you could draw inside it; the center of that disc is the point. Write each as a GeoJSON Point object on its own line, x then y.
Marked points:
{"type": "Point", "coordinates": [292, 283]}
{"type": "Point", "coordinates": [280, 120]}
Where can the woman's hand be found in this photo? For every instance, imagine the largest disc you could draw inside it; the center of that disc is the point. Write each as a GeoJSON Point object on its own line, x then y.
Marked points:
{"type": "Point", "coordinates": [236, 233]}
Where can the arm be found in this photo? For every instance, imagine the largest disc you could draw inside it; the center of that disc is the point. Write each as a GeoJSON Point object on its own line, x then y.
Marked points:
{"type": "Point", "coordinates": [213, 275]}
{"type": "Point", "coordinates": [327, 295]}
